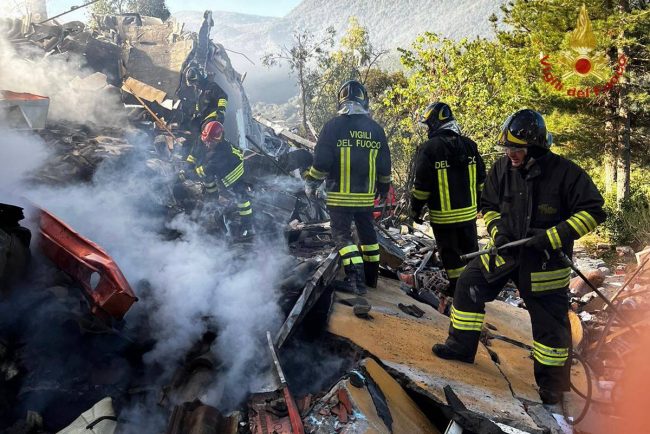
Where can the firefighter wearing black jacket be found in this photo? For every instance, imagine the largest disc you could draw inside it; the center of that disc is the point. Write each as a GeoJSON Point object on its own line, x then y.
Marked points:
{"type": "Point", "coordinates": [211, 103]}
{"type": "Point", "coordinates": [353, 158]}
{"type": "Point", "coordinates": [449, 177]}
{"type": "Point", "coordinates": [223, 162]}
{"type": "Point", "coordinates": [528, 192]}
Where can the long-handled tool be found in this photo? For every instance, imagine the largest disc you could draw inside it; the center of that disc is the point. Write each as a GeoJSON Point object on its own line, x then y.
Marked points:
{"type": "Point", "coordinates": [494, 250]}
{"type": "Point", "coordinates": [155, 117]}
{"type": "Point", "coordinates": [567, 261]}
{"type": "Point", "coordinates": [294, 415]}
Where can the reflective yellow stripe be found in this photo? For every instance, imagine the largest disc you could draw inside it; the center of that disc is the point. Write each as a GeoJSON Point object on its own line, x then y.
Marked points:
{"type": "Point", "coordinates": [541, 276]}
{"type": "Point", "coordinates": [549, 361]}
{"type": "Point", "coordinates": [352, 260]}
{"type": "Point", "coordinates": [233, 176]}
{"type": "Point", "coordinates": [493, 232]}
{"type": "Point", "coordinates": [481, 186]}
{"type": "Point", "coordinates": [472, 182]}
{"type": "Point", "coordinates": [443, 189]}
{"type": "Point", "coordinates": [199, 171]}
{"type": "Point", "coordinates": [499, 261]}
{"type": "Point", "coordinates": [350, 199]}
{"type": "Point", "coordinates": [587, 218]}
{"type": "Point", "coordinates": [317, 174]}
{"type": "Point", "coordinates": [490, 216]}
{"type": "Point", "coordinates": [190, 159]}
{"type": "Point", "coordinates": [236, 151]}
{"type": "Point", "coordinates": [550, 285]}
{"type": "Point", "coordinates": [345, 170]}
{"type": "Point", "coordinates": [211, 188]}
{"type": "Point", "coordinates": [453, 216]}
{"type": "Point", "coordinates": [348, 249]}
{"type": "Point", "coordinates": [554, 237]}
{"type": "Point", "coordinates": [247, 212]}
{"type": "Point", "coordinates": [372, 170]}
{"type": "Point", "coordinates": [372, 258]}
{"type": "Point", "coordinates": [369, 247]}
{"type": "Point", "coordinates": [210, 116]}
{"type": "Point", "coordinates": [578, 225]}
{"type": "Point", "coordinates": [475, 316]}
{"type": "Point", "coordinates": [384, 179]}
{"type": "Point", "coordinates": [485, 259]}
{"type": "Point", "coordinates": [222, 103]}
{"type": "Point", "coordinates": [244, 204]}
{"type": "Point", "coordinates": [550, 351]}
{"type": "Point", "coordinates": [455, 272]}
{"type": "Point", "coordinates": [550, 356]}
{"type": "Point", "coordinates": [420, 194]}
{"type": "Point", "coordinates": [468, 321]}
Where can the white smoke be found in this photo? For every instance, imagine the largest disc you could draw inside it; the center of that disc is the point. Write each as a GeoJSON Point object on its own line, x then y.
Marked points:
{"type": "Point", "coordinates": [195, 277]}
{"type": "Point", "coordinates": [20, 154]}
{"type": "Point", "coordinates": [57, 77]}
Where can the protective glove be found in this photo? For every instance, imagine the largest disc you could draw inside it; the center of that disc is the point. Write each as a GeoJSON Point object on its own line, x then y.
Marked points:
{"type": "Point", "coordinates": [539, 241]}
{"type": "Point", "coordinates": [415, 216]}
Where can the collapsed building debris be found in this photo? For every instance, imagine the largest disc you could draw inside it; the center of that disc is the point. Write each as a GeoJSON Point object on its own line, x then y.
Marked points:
{"type": "Point", "coordinates": [397, 387]}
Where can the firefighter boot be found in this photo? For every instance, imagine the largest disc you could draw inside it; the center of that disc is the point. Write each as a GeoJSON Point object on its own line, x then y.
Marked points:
{"type": "Point", "coordinates": [360, 280]}
{"type": "Point", "coordinates": [371, 272]}
{"type": "Point", "coordinates": [246, 229]}
{"type": "Point", "coordinates": [444, 351]}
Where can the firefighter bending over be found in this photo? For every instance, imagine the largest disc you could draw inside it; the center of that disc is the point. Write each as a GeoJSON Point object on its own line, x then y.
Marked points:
{"type": "Point", "coordinates": [223, 162]}
{"type": "Point", "coordinates": [353, 158]}
{"type": "Point", "coordinates": [529, 192]}
{"type": "Point", "coordinates": [211, 103]}
{"type": "Point", "coordinates": [449, 177]}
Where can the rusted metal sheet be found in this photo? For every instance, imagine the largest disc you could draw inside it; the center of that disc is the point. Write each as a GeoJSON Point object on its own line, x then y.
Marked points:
{"type": "Point", "coordinates": [24, 110]}
{"type": "Point", "coordinates": [106, 288]}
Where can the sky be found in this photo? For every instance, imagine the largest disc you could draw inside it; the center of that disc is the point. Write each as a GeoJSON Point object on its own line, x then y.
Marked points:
{"type": "Point", "coordinates": [275, 8]}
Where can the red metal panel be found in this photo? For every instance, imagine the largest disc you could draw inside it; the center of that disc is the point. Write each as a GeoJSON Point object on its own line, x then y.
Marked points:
{"type": "Point", "coordinates": [109, 293]}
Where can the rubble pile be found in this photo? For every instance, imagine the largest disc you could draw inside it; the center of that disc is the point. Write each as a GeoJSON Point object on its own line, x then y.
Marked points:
{"type": "Point", "coordinates": [76, 151]}
{"type": "Point", "coordinates": [82, 365]}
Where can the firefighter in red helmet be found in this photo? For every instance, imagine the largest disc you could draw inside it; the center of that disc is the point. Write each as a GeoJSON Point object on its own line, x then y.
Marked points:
{"type": "Point", "coordinates": [222, 162]}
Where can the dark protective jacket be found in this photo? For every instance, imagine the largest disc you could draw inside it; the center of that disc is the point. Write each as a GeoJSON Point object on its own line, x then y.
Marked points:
{"type": "Point", "coordinates": [224, 163]}
{"type": "Point", "coordinates": [211, 103]}
{"type": "Point", "coordinates": [449, 177]}
{"type": "Point", "coordinates": [551, 195]}
{"type": "Point", "coordinates": [352, 156]}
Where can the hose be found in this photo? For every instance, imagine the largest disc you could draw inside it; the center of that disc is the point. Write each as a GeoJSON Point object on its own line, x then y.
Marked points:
{"type": "Point", "coordinates": [587, 397]}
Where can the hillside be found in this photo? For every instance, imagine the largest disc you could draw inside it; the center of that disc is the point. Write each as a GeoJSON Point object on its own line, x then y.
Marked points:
{"type": "Point", "coordinates": [391, 24]}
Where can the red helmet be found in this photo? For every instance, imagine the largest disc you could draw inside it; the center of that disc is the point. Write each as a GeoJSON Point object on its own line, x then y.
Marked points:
{"type": "Point", "coordinates": [212, 132]}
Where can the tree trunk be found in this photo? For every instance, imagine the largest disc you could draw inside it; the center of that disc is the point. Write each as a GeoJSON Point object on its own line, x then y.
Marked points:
{"type": "Point", "coordinates": [303, 98]}
{"type": "Point", "coordinates": [610, 158]}
{"type": "Point", "coordinates": [623, 166]}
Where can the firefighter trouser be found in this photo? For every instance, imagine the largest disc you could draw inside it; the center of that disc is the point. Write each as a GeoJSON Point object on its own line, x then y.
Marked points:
{"type": "Point", "coordinates": [352, 258]}
{"type": "Point", "coordinates": [548, 315]}
{"type": "Point", "coordinates": [453, 242]}
{"type": "Point", "coordinates": [244, 206]}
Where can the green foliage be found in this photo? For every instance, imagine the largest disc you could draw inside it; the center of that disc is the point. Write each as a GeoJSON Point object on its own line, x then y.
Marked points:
{"type": "Point", "coordinates": [151, 8]}
{"type": "Point", "coordinates": [630, 224]}
{"type": "Point", "coordinates": [355, 59]}
{"type": "Point", "coordinates": [484, 81]}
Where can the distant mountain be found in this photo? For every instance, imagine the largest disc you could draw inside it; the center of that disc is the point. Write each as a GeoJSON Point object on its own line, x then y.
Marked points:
{"type": "Point", "coordinates": [391, 24]}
